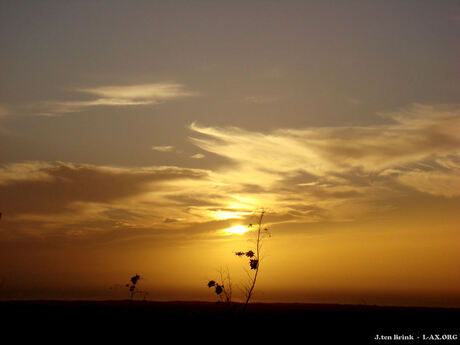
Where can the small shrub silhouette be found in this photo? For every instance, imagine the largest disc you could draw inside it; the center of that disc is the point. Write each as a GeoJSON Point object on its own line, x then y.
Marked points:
{"type": "Point", "coordinates": [223, 289]}
{"type": "Point", "coordinates": [132, 287]}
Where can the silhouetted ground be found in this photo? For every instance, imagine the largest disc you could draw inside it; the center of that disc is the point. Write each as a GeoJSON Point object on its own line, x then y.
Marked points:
{"type": "Point", "coordinates": [211, 323]}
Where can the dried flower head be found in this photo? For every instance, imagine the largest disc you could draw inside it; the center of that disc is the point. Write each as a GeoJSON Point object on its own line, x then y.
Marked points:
{"type": "Point", "coordinates": [250, 254]}
{"type": "Point", "coordinates": [135, 279]}
{"type": "Point", "coordinates": [254, 263]}
{"type": "Point", "coordinates": [211, 283]}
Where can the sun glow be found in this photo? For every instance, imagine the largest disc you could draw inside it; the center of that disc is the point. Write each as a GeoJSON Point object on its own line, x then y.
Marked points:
{"type": "Point", "coordinates": [236, 230]}
{"type": "Point", "coordinates": [222, 215]}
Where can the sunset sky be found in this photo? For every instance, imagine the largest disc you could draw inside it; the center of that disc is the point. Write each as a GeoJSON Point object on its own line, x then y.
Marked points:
{"type": "Point", "coordinates": [135, 134]}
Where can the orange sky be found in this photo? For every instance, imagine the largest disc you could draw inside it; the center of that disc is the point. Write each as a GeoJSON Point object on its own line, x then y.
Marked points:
{"type": "Point", "coordinates": [135, 148]}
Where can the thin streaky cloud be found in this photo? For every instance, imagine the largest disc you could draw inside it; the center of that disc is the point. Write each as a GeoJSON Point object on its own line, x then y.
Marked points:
{"type": "Point", "coordinates": [25, 171]}
{"type": "Point", "coordinates": [198, 156]}
{"type": "Point", "coordinates": [157, 91]}
{"type": "Point", "coordinates": [121, 96]}
{"type": "Point", "coordinates": [165, 148]}
{"type": "Point", "coordinates": [416, 136]}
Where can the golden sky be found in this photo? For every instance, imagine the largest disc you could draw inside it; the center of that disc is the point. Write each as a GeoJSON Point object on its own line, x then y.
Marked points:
{"type": "Point", "coordinates": [142, 137]}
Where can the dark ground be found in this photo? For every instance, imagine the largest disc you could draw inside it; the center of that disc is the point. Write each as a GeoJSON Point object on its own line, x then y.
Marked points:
{"type": "Point", "coordinates": [164, 322]}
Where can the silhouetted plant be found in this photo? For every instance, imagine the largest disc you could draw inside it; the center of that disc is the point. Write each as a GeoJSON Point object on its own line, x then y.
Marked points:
{"type": "Point", "coordinates": [254, 257]}
{"type": "Point", "coordinates": [223, 289]}
{"type": "Point", "coordinates": [132, 287]}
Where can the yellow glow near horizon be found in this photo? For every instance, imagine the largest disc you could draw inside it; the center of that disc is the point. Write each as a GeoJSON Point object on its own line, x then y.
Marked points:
{"type": "Point", "coordinates": [236, 230]}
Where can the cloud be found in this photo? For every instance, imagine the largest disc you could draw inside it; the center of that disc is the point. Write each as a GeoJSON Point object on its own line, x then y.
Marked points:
{"type": "Point", "coordinates": [433, 182]}
{"type": "Point", "coordinates": [143, 92]}
{"type": "Point", "coordinates": [301, 176]}
{"type": "Point", "coordinates": [198, 156]}
{"type": "Point", "coordinates": [68, 200]}
{"type": "Point", "coordinates": [163, 148]}
{"type": "Point", "coordinates": [415, 135]}
{"type": "Point", "coordinates": [48, 188]}
{"type": "Point", "coordinates": [61, 201]}
{"type": "Point", "coordinates": [25, 171]}
{"type": "Point", "coordinates": [110, 96]}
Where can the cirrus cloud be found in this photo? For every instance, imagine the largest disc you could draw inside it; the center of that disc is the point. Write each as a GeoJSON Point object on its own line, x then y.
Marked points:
{"type": "Point", "coordinates": [125, 95]}
{"type": "Point", "coordinates": [163, 148]}
{"type": "Point", "coordinates": [415, 137]}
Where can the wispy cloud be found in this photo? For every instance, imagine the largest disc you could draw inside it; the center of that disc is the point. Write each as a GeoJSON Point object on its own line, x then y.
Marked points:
{"type": "Point", "coordinates": [198, 156]}
{"type": "Point", "coordinates": [416, 135]}
{"type": "Point", "coordinates": [446, 183]}
{"type": "Point", "coordinates": [142, 93]}
{"type": "Point", "coordinates": [110, 96]}
{"type": "Point", "coordinates": [25, 171]}
{"type": "Point", "coordinates": [165, 148]}
{"type": "Point", "coordinates": [328, 174]}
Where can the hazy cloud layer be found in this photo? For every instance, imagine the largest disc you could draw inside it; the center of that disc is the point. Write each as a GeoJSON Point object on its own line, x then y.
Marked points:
{"type": "Point", "coordinates": [333, 174]}
{"type": "Point", "coordinates": [39, 197]}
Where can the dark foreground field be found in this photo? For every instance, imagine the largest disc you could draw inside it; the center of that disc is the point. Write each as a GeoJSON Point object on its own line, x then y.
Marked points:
{"type": "Point", "coordinates": [211, 323]}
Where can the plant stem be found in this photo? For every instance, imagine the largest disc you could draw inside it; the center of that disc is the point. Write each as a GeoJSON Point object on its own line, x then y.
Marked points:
{"type": "Point", "coordinates": [258, 262]}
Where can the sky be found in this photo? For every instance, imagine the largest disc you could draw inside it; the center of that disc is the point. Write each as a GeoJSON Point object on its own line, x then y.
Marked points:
{"type": "Point", "coordinates": [144, 136]}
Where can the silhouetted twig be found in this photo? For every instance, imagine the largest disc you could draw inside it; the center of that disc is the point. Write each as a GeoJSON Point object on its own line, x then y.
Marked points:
{"type": "Point", "coordinates": [224, 288]}
{"type": "Point", "coordinates": [254, 258]}
{"type": "Point", "coordinates": [132, 287]}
